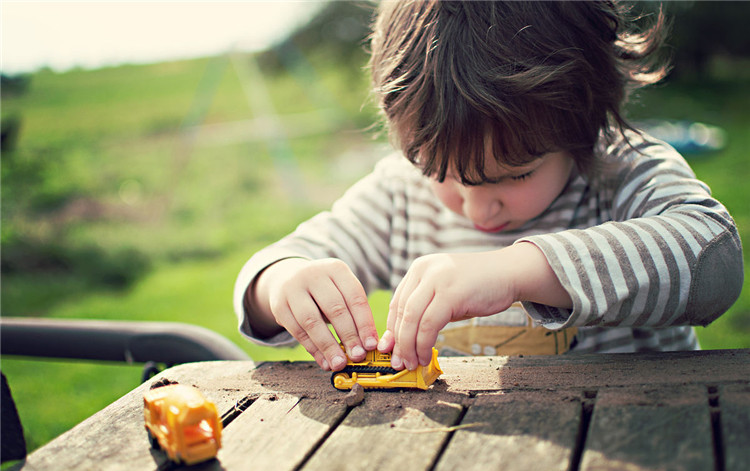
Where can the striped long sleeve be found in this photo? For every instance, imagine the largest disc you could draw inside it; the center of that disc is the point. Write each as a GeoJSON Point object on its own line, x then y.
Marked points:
{"type": "Point", "coordinates": [645, 253]}
{"type": "Point", "coordinates": [662, 253]}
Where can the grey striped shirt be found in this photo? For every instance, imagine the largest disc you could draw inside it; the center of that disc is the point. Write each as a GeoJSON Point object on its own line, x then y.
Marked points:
{"type": "Point", "coordinates": [644, 251]}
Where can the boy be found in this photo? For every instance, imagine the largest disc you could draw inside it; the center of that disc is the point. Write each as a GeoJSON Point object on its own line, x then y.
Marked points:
{"type": "Point", "coordinates": [521, 182]}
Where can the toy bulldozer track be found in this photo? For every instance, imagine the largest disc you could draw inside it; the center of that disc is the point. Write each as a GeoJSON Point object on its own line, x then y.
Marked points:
{"type": "Point", "coordinates": [375, 372]}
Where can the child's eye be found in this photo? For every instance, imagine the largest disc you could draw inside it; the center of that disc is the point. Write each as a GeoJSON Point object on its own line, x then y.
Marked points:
{"type": "Point", "coordinates": [522, 176]}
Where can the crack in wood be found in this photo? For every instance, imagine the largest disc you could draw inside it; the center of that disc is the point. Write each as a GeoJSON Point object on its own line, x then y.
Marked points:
{"type": "Point", "coordinates": [451, 431]}
{"type": "Point", "coordinates": [587, 411]}
{"type": "Point", "coordinates": [299, 399]}
{"type": "Point", "coordinates": [239, 407]}
{"type": "Point", "coordinates": [714, 409]}
{"type": "Point", "coordinates": [322, 440]}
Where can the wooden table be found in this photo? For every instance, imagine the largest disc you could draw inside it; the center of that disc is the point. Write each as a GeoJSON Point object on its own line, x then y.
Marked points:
{"type": "Point", "coordinates": [681, 411]}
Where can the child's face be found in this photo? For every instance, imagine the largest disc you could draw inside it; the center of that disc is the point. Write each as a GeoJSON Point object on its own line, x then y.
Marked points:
{"type": "Point", "coordinates": [520, 194]}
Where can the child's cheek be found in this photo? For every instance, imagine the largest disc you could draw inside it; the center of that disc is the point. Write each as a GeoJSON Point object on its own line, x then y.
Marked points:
{"type": "Point", "coordinates": [527, 203]}
{"type": "Point", "coordinates": [448, 196]}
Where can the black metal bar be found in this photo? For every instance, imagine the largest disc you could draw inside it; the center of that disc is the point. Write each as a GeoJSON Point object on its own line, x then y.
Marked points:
{"type": "Point", "coordinates": [125, 341]}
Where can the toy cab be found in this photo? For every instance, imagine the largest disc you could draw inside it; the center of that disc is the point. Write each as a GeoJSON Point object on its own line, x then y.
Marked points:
{"type": "Point", "coordinates": [181, 422]}
{"type": "Point", "coordinates": [375, 371]}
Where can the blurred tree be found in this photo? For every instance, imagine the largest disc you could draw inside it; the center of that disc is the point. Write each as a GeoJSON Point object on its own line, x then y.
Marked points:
{"type": "Point", "coordinates": [339, 31]}
{"type": "Point", "coordinates": [10, 124]}
{"type": "Point", "coordinates": [14, 85]}
{"type": "Point", "coordinates": [705, 30]}
{"type": "Point", "coordinates": [700, 32]}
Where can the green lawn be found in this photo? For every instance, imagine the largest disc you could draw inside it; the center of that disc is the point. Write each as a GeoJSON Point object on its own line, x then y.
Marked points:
{"type": "Point", "coordinates": [131, 217]}
{"type": "Point", "coordinates": [111, 209]}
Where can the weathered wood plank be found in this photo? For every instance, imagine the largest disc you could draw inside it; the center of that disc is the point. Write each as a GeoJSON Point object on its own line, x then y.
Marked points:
{"type": "Point", "coordinates": [594, 371]}
{"type": "Point", "coordinates": [646, 429]}
{"type": "Point", "coordinates": [115, 439]}
{"type": "Point", "coordinates": [278, 432]}
{"type": "Point", "coordinates": [112, 439]}
{"type": "Point", "coordinates": [734, 403]}
{"type": "Point", "coordinates": [516, 431]}
{"type": "Point", "coordinates": [389, 430]}
{"type": "Point", "coordinates": [652, 411]}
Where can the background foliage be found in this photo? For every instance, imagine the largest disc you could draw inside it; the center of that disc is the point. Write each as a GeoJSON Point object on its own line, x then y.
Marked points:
{"type": "Point", "coordinates": [137, 192]}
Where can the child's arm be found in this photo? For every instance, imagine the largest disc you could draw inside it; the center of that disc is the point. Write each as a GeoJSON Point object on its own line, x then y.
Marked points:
{"type": "Point", "coordinates": [662, 253]}
{"type": "Point", "coordinates": [444, 288]}
{"type": "Point", "coordinates": [302, 296]}
{"type": "Point", "coordinates": [669, 254]}
{"type": "Point", "coordinates": [348, 246]}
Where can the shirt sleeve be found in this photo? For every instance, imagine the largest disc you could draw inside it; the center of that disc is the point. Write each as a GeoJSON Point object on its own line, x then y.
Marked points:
{"type": "Point", "coordinates": [671, 255]}
{"type": "Point", "coordinates": [356, 230]}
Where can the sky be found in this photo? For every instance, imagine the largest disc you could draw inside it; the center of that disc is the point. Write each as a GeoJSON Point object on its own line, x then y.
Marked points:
{"type": "Point", "coordinates": [91, 34]}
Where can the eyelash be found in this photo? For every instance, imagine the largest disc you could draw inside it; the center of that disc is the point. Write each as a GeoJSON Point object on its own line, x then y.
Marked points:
{"type": "Point", "coordinates": [522, 177]}
{"type": "Point", "coordinates": [517, 178]}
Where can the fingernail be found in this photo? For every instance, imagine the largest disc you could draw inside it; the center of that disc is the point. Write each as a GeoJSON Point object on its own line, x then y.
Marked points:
{"type": "Point", "coordinates": [337, 362]}
{"type": "Point", "coordinates": [396, 361]}
{"type": "Point", "coordinates": [371, 343]}
{"type": "Point", "coordinates": [326, 366]}
{"type": "Point", "coordinates": [408, 365]}
{"type": "Point", "coordinates": [384, 340]}
{"type": "Point", "coordinates": [358, 351]}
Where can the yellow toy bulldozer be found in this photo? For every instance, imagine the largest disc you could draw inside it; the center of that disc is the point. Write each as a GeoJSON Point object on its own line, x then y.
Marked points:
{"type": "Point", "coordinates": [375, 371]}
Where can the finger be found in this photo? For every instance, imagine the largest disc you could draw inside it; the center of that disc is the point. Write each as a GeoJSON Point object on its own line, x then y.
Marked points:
{"type": "Point", "coordinates": [286, 319]}
{"type": "Point", "coordinates": [435, 317]}
{"type": "Point", "coordinates": [359, 307]}
{"type": "Point", "coordinates": [403, 293]}
{"type": "Point", "coordinates": [411, 319]}
{"type": "Point", "coordinates": [388, 341]}
{"type": "Point", "coordinates": [393, 307]}
{"type": "Point", "coordinates": [333, 306]}
{"type": "Point", "coordinates": [312, 324]}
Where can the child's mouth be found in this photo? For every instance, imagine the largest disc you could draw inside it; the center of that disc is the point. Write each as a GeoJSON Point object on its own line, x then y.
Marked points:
{"type": "Point", "coordinates": [491, 229]}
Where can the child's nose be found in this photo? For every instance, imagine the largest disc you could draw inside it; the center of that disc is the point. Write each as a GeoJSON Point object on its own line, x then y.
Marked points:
{"type": "Point", "coordinates": [481, 205]}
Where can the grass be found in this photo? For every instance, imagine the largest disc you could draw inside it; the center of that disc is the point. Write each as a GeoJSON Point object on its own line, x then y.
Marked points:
{"type": "Point", "coordinates": [195, 292]}
{"type": "Point", "coordinates": [723, 103]}
{"type": "Point", "coordinates": [107, 184]}
{"type": "Point", "coordinates": [104, 166]}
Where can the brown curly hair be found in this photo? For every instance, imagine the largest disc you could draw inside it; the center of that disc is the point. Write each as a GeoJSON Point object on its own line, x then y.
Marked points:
{"type": "Point", "coordinates": [525, 77]}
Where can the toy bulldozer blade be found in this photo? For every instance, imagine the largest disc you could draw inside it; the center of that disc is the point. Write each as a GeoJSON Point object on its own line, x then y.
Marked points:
{"type": "Point", "coordinates": [376, 372]}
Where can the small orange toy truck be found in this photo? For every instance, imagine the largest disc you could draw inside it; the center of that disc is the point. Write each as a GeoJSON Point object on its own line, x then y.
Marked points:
{"type": "Point", "coordinates": [181, 422]}
{"type": "Point", "coordinates": [375, 371]}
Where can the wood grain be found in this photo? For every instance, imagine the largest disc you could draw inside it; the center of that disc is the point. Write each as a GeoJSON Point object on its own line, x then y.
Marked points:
{"type": "Point", "coordinates": [643, 428]}
{"type": "Point", "coordinates": [687, 411]}
{"type": "Point", "coordinates": [390, 430]}
{"type": "Point", "coordinates": [516, 431]}
{"type": "Point", "coordinates": [734, 407]}
{"type": "Point", "coordinates": [278, 432]}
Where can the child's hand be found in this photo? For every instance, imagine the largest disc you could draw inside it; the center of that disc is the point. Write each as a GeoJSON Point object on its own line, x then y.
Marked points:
{"type": "Point", "coordinates": [439, 289]}
{"type": "Point", "coordinates": [303, 296]}
{"type": "Point", "coordinates": [443, 288]}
